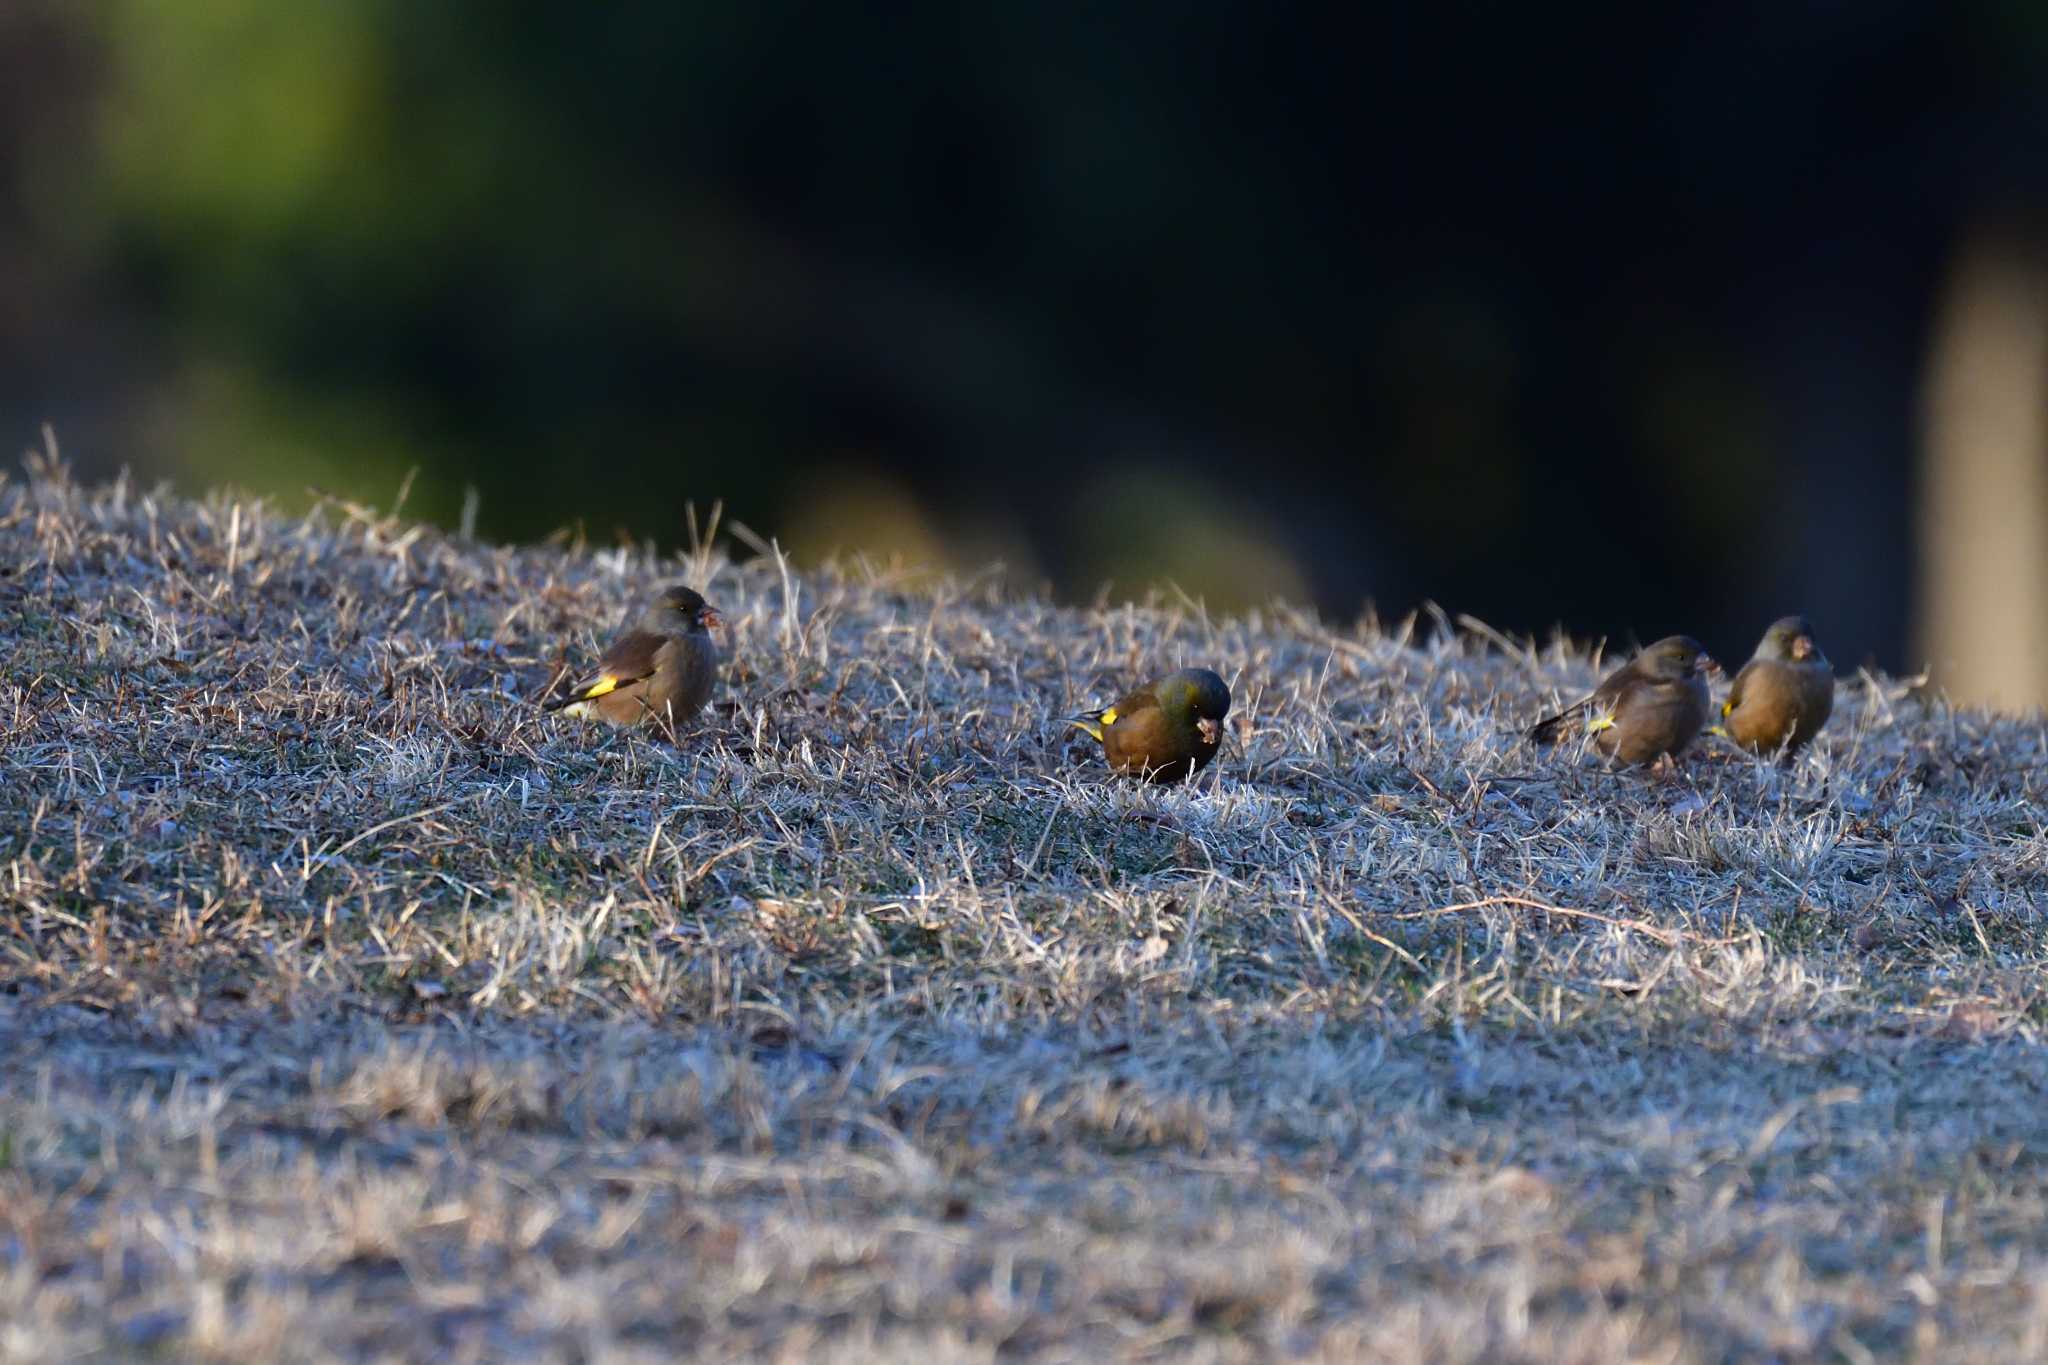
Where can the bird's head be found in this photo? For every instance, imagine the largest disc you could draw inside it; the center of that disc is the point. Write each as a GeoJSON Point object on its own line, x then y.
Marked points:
{"type": "Point", "coordinates": [681, 608]}
{"type": "Point", "coordinates": [1790, 639]}
{"type": "Point", "coordinates": [1676, 658]}
{"type": "Point", "coordinates": [1200, 693]}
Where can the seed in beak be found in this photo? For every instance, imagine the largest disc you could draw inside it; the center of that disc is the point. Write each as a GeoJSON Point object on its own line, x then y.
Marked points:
{"type": "Point", "coordinates": [708, 617]}
{"type": "Point", "coordinates": [1209, 730]}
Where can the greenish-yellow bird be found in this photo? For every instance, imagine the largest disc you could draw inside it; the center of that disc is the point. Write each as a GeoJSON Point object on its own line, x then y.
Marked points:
{"type": "Point", "coordinates": [658, 673]}
{"type": "Point", "coordinates": [1649, 707]}
{"type": "Point", "coordinates": [1784, 694]}
{"type": "Point", "coordinates": [1166, 730]}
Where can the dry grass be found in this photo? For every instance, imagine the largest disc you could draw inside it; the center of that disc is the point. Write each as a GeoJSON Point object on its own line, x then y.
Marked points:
{"type": "Point", "coordinates": [352, 1008]}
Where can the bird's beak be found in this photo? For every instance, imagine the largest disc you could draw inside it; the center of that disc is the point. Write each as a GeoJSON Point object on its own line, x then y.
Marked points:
{"type": "Point", "coordinates": [1802, 647]}
{"type": "Point", "coordinates": [708, 617]}
{"type": "Point", "coordinates": [1210, 731]}
{"type": "Point", "coordinates": [1709, 666]}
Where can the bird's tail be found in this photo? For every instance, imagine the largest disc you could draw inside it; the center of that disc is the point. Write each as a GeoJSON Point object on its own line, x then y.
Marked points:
{"type": "Point", "coordinates": [1552, 728]}
{"type": "Point", "coordinates": [553, 700]}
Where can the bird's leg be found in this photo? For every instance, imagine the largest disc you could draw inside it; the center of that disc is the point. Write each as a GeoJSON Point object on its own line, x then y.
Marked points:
{"type": "Point", "coordinates": [1665, 768]}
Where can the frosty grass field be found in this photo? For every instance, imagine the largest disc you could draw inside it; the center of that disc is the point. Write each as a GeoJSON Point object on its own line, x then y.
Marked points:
{"type": "Point", "coordinates": [351, 1008]}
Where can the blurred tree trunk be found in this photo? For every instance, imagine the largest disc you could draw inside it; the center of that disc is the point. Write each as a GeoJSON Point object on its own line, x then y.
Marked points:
{"type": "Point", "coordinates": [1982, 615]}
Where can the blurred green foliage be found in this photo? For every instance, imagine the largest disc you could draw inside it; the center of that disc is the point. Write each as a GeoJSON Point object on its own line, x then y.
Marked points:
{"type": "Point", "coordinates": [326, 202]}
{"type": "Point", "coordinates": [1310, 299]}
{"type": "Point", "coordinates": [602, 263]}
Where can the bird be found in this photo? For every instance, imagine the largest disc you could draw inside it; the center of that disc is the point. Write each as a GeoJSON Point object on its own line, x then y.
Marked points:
{"type": "Point", "coordinates": [658, 673]}
{"type": "Point", "coordinates": [1649, 707]}
{"type": "Point", "coordinates": [1783, 696]}
{"type": "Point", "coordinates": [1166, 730]}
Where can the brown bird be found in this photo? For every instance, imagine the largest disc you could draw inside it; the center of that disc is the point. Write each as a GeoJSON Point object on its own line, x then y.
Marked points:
{"type": "Point", "coordinates": [658, 673]}
{"type": "Point", "coordinates": [1165, 730]}
{"type": "Point", "coordinates": [1649, 707]}
{"type": "Point", "coordinates": [1784, 694]}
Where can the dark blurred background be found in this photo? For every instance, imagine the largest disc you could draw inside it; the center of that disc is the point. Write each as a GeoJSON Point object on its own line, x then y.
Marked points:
{"type": "Point", "coordinates": [1623, 317]}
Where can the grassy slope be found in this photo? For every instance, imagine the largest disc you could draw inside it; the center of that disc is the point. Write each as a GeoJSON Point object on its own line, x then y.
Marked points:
{"type": "Point", "coordinates": [349, 1006]}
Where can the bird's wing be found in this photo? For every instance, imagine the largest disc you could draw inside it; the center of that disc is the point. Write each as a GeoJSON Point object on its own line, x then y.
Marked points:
{"type": "Point", "coordinates": [1131, 703]}
{"type": "Point", "coordinates": [632, 657]}
{"type": "Point", "coordinates": [1626, 688]}
{"type": "Point", "coordinates": [1608, 695]}
{"type": "Point", "coordinates": [1735, 689]}
{"type": "Point", "coordinates": [1599, 707]}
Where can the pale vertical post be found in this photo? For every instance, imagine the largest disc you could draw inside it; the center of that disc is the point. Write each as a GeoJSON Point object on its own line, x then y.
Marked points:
{"type": "Point", "coordinates": [1981, 619]}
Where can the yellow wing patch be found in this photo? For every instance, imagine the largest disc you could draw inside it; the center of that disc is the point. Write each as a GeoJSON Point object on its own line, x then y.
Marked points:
{"type": "Point", "coordinates": [1094, 722]}
{"type": "Point", "coordinates": [1726, 707]}
{"type": "Point", "coordinates": [1599, 723]}
{"type": "Point", "coordinates": [580, 707]}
